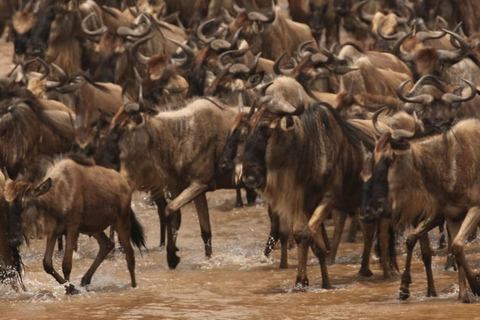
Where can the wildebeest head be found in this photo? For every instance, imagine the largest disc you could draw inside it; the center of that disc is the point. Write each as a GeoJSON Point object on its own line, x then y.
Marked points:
{"type": "Point", "coordinates": [253, 24]}
{"type": "Point", "coordinates": [41, 33]}
{"type": "Point", "coordinates": [375, 202]}
{"type": "Point", "coordinates": [23, 23]}
{"type": "Point", "coordinates": [236, 137]}
{"type": "Point", "coordinates": [318, 9]}
{"type": "Point", "coordinates": [235, 78]}
{"type": "Point", "coordinates": [437, 112]}
{"type": "Point", "coordinates": [275, 116]}
{"type": "Point", "coordinates": [430, 60]}
{"type": "Point", "coordinates": [21, 197]}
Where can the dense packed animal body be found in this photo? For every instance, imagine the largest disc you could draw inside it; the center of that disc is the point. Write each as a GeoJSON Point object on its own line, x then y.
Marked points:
{"type": "Point", "coordinates": [321, 106]}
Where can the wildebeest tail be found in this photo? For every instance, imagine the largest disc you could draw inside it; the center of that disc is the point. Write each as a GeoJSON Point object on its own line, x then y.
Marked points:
{"type": "Point", "coordinates": [137, 233]}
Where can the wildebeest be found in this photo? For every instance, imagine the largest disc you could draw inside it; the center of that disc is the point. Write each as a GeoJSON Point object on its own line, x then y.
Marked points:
{"type": "Point", "coordinates": [183, 147]}
{"type": "Point", "coordinates": [304, 181]}
{"type": "Point", "coordinates": [448, 189]}
{"type": "Point", "coordinates": [271, 34]}
{"type": "Point", "coordinates": [10, 260]}
{"type": "Point", "coordinates": [73, 195]}
{"type": "Point", "coordinates": [28, 130]}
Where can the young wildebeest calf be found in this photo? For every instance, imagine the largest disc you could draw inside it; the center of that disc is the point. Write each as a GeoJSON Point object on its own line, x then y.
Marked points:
{"type": "Point", "coordinates": [74, 196]}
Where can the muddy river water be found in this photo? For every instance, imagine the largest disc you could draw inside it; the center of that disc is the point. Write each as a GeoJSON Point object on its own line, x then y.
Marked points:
{"type": "Point", "coordinates": [238, 282]}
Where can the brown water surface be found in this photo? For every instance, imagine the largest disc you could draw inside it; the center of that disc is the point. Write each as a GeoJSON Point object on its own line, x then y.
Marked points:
{"type": "Point", "coordinates": [238, 282]}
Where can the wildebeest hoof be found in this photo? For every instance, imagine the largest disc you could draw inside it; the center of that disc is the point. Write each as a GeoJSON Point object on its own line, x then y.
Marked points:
{"type": "Point", "coordinates": [365, 273]}
{"type": "Point", "coordinates": [450, 264]}
{"type": "Point", "coordinates": [173, 260]}
{"type": "Point", "coordinates": [239, 204]}
{"type": "Point", "coordinates": [404, 295]}
{"type": "Point", "coordinates": [70, 289]}
{"type": "Point", "coordinates": [464, 298]}
{"type": "Point", "coordinates": [299, 288]}
{"type": "Point", "coordinates": [432, 293]}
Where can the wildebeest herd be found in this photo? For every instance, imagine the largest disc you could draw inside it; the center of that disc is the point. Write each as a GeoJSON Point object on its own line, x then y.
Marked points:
{"type": "Point", "coordinates": [324, 107]}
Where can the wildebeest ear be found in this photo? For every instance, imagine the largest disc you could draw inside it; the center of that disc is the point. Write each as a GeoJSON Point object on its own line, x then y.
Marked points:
{"type": "Point", "coordinates": [255, 79]}
{"type": "Point", "coordinates": [286, 123]}
{"type": "Point", "coordinates": [43, 188]}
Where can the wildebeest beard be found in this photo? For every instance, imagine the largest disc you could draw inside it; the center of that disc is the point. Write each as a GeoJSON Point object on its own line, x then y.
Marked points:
{"type": "Point", "coordinates": [375, 203]}
{"type": "Point", "coordinates": [254, 165]}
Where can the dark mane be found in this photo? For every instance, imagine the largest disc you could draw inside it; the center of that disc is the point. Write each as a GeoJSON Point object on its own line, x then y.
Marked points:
{"type": "Point", "coordinates": [81, 159]}
{"type": "Point", "coordinates": [353, 134]}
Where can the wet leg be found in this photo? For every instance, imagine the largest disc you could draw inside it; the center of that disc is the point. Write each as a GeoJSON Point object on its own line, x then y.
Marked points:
{"type": "Point", "coordinates": [204, 219]}
{"type": "Point", "coordinates": [427, 262]}
{"type": "Point", "coordinates": [339, 218]}
{"type": "Point", "coordinates": [274, 232]}
{"type": "Point", "coordinates": [368, 230]}
{"type": "Point", "coordinates": [106, 246]}
{"type": "Point", "coordinates": [124, 235]}
{"type": "Point", "coordinates": [47, 259]}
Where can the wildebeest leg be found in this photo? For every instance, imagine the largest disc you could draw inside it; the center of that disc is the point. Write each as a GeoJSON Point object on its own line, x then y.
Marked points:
{"type": "Point", "coordinates": [284, 233]}
{"type": "Point", "coordinates": [106, 246]}
{"type": "Point", "coordinates": [462, 292]}
{"type": "Point", "coordinates": [112, 235]}
{"type": "Point", "coordinates": [47, 259]}
{"type": "Point", "coordinates": [469, 224]}
{"type": "Point", "coordinates": [251, 195]}
{"type": "Point", "coordinates": [421, 229]}
{"type": "Point", "coordinates": [352, 232]}
{"type": "Point", "coordinates": [71, 238]}
{"type": "Point", "coordinates": [239, 202]}
{"type": "Point", "coordinates": [161, 205]}
{"type": "Point", "coordinates": [320, 249]}
{"type": "Point", "coordinates": [339, 218]}
{"type": "Point", "coordinates": [450, 263]}
{"type": "Point", "coordinates": [274, 232]}
{"type": "Point", "coordinates": [60, 243]}
{"type": "Point", "coordinates": [317, 218]}
{"type": "Point", "coordinates": [303, 242]}
{"type": "Point", "coordinates": [204, 219]}
{"type": "Point", "coordinates": [427, 262]}
{"type": "Point", "coordinates": [368, 230]}
{"type": "Point", "coordinates": [172, 259]}
{"type": "Point", "coordinates": [189, 194]}
{"type": "Point", "coordinates": [383, 239]}
{"type": "Point", "coordinates": [441, 242]}
{"type": "Point", "coordinates": [124, 236]}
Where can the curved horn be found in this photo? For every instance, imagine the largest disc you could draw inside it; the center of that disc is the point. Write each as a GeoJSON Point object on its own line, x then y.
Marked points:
{"type": "Point", "coordinates": [424, 36]}
{"type": "Point", "coordinates": [302, 52]}
{"type": "Point", "coordinates": [143, 59]}
{"type": "Point", "coordinates": [201, 36]}
{"type": "Point", "coordinates": [255, 64]}
{"type": "Point", "coordinates": [63, 78]}
{"type": "Point", "coordinates": [141, 101]}
{"type": "Point", "coordinates": [188, 51]}
{"type": "Point", "coordinates": [455, 56]}
{"type": "Point", "coordinates": [233, 53]}
{"type": "Point", "coordinates": [137, 75]}
{"type": "Point", "coordinates": [233, 43]}
{"type": "Point", "coordinates": [421, 98]}
{"type": "Point", "coordinates": [375, 121]}
{"type": "Point", "coordinates": [396, 48]}
{"type": "Point", "coordinates": [238, 10]}
{"type": "Point", "coordinates": [276, 66]}
{"type": "Point", "coordinates": [365, 17]}
{"type": "Point", "coordinates": [263, 88]}
{"type": "Point", "coordinates": [257, 16]}
{"type": "Point", "coordinates": [384, 36]}
{"type": "Point", "coordinates": [438, 20]}
{"type": "Point", "coordinates": [401, 134]}
{"type": "Point", "coordinates": [95, 33]}
{"type": "Point", "coordinates": [73, 87]}
{"type": "Point", "coordinates": [453, 98]}
{"type": "Point", "coordinates": [126, 31]}
{"type": "Point", "coordinates": [46, 68]}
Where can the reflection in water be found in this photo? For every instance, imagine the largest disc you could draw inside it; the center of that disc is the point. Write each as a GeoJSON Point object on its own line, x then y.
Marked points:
{"type": "Point", "coordinates": [237, 283]}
